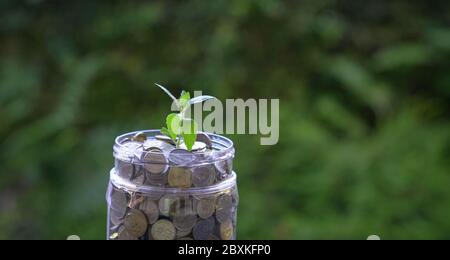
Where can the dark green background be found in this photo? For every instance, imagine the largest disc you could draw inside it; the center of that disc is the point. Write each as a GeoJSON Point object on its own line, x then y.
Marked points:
{"type": "Point", "coordinates": [364, 89]}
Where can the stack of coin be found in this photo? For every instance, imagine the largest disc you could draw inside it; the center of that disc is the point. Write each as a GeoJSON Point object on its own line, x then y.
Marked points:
{"type": "Point", "coordinates": [156, 160]}
{"type": "Point", "coordinates": [184, 197]}
{"type": "Point", "coordinates": [135, 216]}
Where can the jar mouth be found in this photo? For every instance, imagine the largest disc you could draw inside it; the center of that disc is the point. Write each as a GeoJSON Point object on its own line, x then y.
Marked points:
{"type": "Point", "coordinates": [222, 149]}
{"type": "Point", "coordinates": [124, 184]}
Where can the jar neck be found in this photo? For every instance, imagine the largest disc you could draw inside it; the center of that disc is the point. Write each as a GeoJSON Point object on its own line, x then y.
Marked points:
{"type": "Point", "coordinates": [124, 184]}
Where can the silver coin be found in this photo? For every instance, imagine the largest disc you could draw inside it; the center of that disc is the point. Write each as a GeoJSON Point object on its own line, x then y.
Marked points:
{"type": "Point", "coordinates": [203, 230]}
{"type": "Point", "coordinates": [119, 200]}
{"type": "Point", "coordinates": [204, 138]}
{"type": "Point", "coordinates": [223, 169]}
{"type": "Point", "coordinates": [203, 176]}
{"type": "Point", "coordinates": [154, 161]}
{"type": "Point", "coordinates": [181, 157]}
{"type": "Point", "coordinates": [139, 177]}
{"type": "Point", "coordinates": [155, 143]}
{"type": "Point", "coordinates": [116, 217]}
{"type": "Point", "coordinates": [125, 169]}
{"type": "Point", "coordinates": [165, 139]}
{"type": "Point", "coordinates": [184, 219]}
{"type": "Point", "coordinates": [197, 147]}
{"type": "Point", "coordinates": [151, 210]}
{"type": "Point", "coordinates": [158, 180]}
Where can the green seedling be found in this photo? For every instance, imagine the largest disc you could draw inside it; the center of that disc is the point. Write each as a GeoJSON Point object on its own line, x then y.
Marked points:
{"type": "Point", "coordinates": [180, 128]}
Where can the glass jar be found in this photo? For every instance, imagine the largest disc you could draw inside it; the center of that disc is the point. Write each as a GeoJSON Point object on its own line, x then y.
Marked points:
{"type": "Point", "coordinates": [160, 192]}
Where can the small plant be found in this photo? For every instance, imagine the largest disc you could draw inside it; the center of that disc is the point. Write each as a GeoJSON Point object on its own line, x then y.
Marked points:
{"type": "Point", "coordinates": [180, 128]}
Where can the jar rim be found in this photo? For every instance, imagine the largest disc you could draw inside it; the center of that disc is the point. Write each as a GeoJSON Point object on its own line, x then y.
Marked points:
{"type": "Point", "coordinates": [223, 149]}
{"type": "Point", "coordinates": [122, 183]}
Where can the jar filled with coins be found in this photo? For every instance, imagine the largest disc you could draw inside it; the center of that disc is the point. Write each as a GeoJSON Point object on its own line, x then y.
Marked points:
{"type": "Point", "coordinates": [161, 191]}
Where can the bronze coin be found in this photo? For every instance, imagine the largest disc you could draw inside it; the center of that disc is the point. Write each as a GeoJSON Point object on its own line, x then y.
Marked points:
{"type": "Point", "coordinates": [135, 223]}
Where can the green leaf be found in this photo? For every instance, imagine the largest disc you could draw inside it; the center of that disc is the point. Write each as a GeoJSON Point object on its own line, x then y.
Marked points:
{"type": "Point", "coordinates": [184, 99]}
{"type": "Point", "coordinates": [169, 133]}
{"type": "Point", "coordinates": [189, 133]}
{"type": "Point", "coordinates": [169, 94]}
{"type": "Point", "coordinates": [173, 122]}
{"type": "Point", "coordinates": [200, 99]}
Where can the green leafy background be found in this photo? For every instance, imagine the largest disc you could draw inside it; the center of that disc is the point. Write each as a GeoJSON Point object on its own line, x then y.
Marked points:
{"type": "Point", "coordinates": [364, 89]}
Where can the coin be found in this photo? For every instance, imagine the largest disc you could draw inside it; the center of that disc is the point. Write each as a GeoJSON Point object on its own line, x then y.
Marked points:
{"type": "Point", "coordinates": [213, 237]}
{"type": "Point", "coordinates": [203, 229]}
{"type": "Point", "coordinates": [226, 230]}
{"type": "Point", "coordinates": [180, 177]}
{"type": "Point", "coordinates": [163, 230]}
{"type": "Point", "coordinates": [204, 138]}
{"type": "Point", "coordinates": [135, 223]}
{"type": "Point", "coordinates": [183, 233]}
{"type": "Point", "coordinates": [184, 219]}
{"type": "Point", "coordinates": [122, 234]}
{"type": "Point", "coordinates": [203, 176]}
{"type": "Point", "coordinates": [125, 169]}
{"type": "Point", "coordinates": [116, 216]}
{"type": "Point", "coordinates": [159, 180]}
{"type": "Point", "coordinates": [139, 177]}
{"type": "Point", "coordinates": [151, 210]}
{"type": "Point", "coordinates": [154, 161]}
{"type": "Point", "coordinates": [224, 206]}
{"type": "Point", "coordinates": [185, 238]}
{"type": "Point", "coordinates": [197, 147]}
{"type": "Point", "coordinates": [181, 157]}
{"type": "Point", "coordinates": [167, 205]}
{"type": "Point", "coordinates": [158, 144]}
{"type": "Point", "coordinates": [139, 137]}
{"type": "Point", "coordinates": [206, 207]}
{"type": "Point", "coordinates": [223, 169]}
{"type": "Point", "coordinates": [165, 139]}
{"type": "Point", "coordinates": [119, 200]}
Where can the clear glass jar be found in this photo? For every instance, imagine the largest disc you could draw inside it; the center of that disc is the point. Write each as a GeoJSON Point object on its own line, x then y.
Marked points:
{"type": "Point", "coordinates": [159, 192]}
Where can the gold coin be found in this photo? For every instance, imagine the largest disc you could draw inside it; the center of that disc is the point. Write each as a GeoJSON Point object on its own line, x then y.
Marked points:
{"type": "Point", "coordinates": [224, 207]}
{"type": "Point", "coordinates": [163, 230]}
{"type": "Point", "coordinates": [206, 207]}
{"type": "Point", "coordinates": [226, 230]}
{"type": "Point", "coordinates": [203, 176]}
{"type": "Point", "coordinates": [180, 177]}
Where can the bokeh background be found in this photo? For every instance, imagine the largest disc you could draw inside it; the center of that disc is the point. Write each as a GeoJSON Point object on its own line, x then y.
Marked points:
{"type": "Point", "coordinates": [364, 89]}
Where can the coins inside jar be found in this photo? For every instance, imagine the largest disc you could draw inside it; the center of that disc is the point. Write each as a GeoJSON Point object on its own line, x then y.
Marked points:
{"type": "Point", "coordinates": [173, 216]}
{"type": "Point", "coordinates": [135, 223]}
{"type": "Point", "coordinates": [203, 176]}
{"type": "Point", "coordinates": [163, 230]}
{"type": "Point", "coordinates": [167, 192]}
{"type": "Point", "coordinates": [180, 177]}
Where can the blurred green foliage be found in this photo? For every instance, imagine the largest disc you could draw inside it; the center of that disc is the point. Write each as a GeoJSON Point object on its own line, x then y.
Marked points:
{"type": "Point", "coordinates": [367, 151]}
